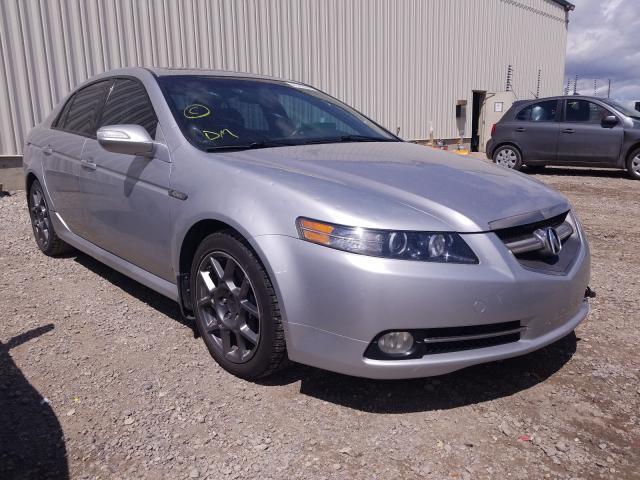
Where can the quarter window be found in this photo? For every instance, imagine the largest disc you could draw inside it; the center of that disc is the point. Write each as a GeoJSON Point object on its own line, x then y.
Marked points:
{"type": "Point", "coordinates": [128, 103]}
{"type": "Point", "coordinates": [585, 112]}
{"type": "Point", "coordinates": [539, 112]}
{"type": "Point", "coordinates": [84, 107]}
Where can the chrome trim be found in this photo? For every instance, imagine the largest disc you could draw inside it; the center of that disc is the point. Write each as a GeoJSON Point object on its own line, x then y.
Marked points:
{"type": "Point", "coordinates": [530, 217]}
{"type": "Point", "coordinates": [478, 336]}
{"type": "Point", "coordinates": [534, 243]}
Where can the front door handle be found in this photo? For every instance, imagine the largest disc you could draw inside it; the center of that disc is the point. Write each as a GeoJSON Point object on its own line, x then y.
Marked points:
{"type": "Point", "coordinates": [521, 129]}
{"type": "Point", "coordinates": [568, 130]}
{"type": "Point", "coordinates": [47, 150]}
{"type": "Point", "coordinates": [88, 165]}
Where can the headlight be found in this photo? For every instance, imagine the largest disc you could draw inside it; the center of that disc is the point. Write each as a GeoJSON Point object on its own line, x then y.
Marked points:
{"type": "Point", "coordinates": [403, 245]}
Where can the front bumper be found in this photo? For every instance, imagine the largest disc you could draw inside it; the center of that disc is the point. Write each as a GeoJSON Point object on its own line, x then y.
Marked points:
{"type": "Point", "coordinates": [334, 303]}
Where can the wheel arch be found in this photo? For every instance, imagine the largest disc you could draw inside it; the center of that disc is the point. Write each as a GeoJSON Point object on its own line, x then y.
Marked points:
{"type": "Point", "coordinates": [28, 181]}
{"type": "Point", "coordinates": [190, 242]}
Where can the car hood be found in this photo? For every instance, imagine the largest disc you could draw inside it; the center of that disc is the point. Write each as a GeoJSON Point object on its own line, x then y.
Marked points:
{"type": "Point", "coordinates": [462, 194]}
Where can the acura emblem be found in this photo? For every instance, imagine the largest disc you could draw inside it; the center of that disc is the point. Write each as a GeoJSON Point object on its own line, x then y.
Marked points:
{"type": "Point", "coordinates": [551, 244]}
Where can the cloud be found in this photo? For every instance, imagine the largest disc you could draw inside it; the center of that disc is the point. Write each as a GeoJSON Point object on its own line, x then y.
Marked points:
{"type": "Point", "coordinates": [603, 43]}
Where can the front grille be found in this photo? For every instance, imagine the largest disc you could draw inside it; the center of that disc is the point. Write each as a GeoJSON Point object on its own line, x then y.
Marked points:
{"type": "Point", "coordinates": [431, 341]}
{"type": "Point", "coordinates": [461, 345]}
{"type": "Point", "coordinates": [520, 232]}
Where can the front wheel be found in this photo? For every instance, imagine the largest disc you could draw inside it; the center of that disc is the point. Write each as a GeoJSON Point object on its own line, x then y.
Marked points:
{"type": "Point", "coordinates": [236, 308]}
{"type": "Point", "coordinates": [508, 156]}
{"type": "Point", "coordinates": [633, 164]}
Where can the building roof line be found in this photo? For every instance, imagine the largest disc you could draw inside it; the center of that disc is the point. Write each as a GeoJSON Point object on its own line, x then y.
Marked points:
{"type": "Point", "coordinates": [568, 6]}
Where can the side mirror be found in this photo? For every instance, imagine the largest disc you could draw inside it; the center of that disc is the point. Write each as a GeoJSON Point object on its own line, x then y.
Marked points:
{"type": "Point", "coordinates": [126, 139]}
{"type": "Point", "coordinates": [609, 121]}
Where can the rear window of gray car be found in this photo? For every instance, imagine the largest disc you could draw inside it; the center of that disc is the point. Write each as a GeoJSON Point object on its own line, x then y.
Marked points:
{"type": "Point", "coordinates": [539, 112]}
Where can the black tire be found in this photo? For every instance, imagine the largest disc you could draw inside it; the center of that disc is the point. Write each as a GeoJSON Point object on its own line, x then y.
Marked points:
{"type": "Point", "coordinates": [508, 156]}
{"type": "Point", "coordinates": [633, 164]}
{"type": "Point", "coordinates": [45, 235]}
{"type": "Point", "coordinates": [268, 354]}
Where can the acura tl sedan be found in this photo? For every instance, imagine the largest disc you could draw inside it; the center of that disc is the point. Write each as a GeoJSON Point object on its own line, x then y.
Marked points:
{"type": "Point", "coordinates": [290, 226]}
{"type": "Point", "coordinates": [567, 131]}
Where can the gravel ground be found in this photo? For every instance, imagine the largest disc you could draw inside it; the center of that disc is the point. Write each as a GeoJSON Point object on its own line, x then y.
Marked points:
{"type": "Point", "coordinates": [99, 378]}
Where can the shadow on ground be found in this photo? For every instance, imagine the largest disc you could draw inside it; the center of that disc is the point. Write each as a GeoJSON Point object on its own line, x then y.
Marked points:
{"type": "Point", "coordinates": [31, 438]}
{"type": "Point", "coordinates": [466, 387]}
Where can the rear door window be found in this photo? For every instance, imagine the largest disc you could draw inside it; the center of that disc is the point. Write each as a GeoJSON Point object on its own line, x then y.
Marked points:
{"type": "Point", "coordinates": [539, 112]}
{"type": "Point", "coordinates": [128, 103]}
{"type": "Point", "coordinates": [583, 111]}
{"type": "Point", "coordinates": [84, 107]}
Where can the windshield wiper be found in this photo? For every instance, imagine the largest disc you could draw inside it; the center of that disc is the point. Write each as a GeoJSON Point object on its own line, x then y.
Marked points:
{"type": "Point", "coordinates": [348, 138]}
{"type": "Point", "coordinates": [251, 146]}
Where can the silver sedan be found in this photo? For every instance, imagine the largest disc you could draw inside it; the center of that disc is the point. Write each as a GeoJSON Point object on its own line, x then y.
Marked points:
{"type": "Point", "coordinates": [288, 225]}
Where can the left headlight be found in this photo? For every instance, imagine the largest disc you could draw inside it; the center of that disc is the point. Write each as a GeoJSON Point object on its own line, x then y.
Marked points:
{"type": "Point", "coordinates": [444, 247]}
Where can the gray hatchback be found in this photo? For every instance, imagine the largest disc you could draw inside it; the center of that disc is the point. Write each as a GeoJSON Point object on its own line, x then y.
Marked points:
{"type": "Point", "coordinates": [573, 131]}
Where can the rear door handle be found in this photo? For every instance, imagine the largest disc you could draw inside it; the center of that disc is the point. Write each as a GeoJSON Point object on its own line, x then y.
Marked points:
{"type": "Point", "coordinates": [521, 129]}
{"type": "Point", "coordinates": [88, 165]}
{"type": "Point", "coordinates": [568, 130]}
{"type": "Point", "coordinates": [47, 150]}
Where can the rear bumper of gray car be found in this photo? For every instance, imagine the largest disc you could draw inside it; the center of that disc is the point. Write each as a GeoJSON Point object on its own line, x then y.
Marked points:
{"type": "Point", "coordinates": [335, 303]}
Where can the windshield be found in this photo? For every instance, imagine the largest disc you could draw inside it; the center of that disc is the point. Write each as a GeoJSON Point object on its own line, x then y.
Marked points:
{"type": "Point", "coordinates": [218, 113]}
{"type": "Point", "coordinates": [621, 108]}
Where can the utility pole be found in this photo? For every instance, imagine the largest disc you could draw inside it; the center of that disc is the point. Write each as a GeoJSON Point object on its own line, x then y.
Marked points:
{"type": "Point", "coordinates": [538, 85]}
{"type": "Point", "coordinates": [609, 89]}
{"type": "Point", "coordinates": [575, 85]}
{"type": "Point", "coordinates": [568, 87]}
{"type": "Point", "coordinates": [595, 87]}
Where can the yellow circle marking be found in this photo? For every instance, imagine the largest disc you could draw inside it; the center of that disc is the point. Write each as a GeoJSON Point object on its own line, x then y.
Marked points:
{"type": "Point", "coordinates": [197, 110]}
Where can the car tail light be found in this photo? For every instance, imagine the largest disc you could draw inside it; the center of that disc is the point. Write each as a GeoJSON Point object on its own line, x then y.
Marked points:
{"type": "Point", "coordinates": [493, 129]}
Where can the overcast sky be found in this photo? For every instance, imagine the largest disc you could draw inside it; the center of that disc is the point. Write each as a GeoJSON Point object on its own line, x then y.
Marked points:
{"type": "Point", "coordinates": [604, 42]}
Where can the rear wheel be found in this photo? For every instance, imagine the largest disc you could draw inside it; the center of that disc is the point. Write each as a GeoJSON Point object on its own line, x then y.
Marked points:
{"type": "Point", "coordinates": [236, 308]}
{"type": "Point", "coordinates": [46, 239]}
{"type": "Point", "coordinates": [633, 164]}
{"type": "Point", "coordinates": [508, 156]}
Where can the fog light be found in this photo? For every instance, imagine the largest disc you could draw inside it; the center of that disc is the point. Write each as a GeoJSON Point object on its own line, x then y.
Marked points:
{"type": "Point", "coordinates": [394, 343]}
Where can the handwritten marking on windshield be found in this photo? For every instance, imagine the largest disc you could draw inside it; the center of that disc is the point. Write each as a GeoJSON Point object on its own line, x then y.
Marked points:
{"type": "Point", "coordinates": [217, 135]}
{"type": "Point", "coordinates": [196, 110]}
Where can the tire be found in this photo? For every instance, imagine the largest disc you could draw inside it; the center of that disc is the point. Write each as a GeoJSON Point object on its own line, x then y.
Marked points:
{"type": "Point", "coordinates": [508, 156]}
{"type": "Point", "coordinates": [45, 235]}
{"type": "Point", "coordinates": [236, 308]}
{"type": "Point", "coordinates": [633, 164]}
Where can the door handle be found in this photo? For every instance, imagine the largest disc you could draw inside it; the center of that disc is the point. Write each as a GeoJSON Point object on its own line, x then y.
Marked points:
{"type": "Point", "coordinates": [88, 165]}
{"type": "Point", "coordinates": [521, 129]}
{"type": "Point", "coordinates": [47, 150]}
{"type": "Point", "coordinates": [568, 130]}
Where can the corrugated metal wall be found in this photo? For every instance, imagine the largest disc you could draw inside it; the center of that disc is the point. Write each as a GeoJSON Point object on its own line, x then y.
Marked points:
{"type": "Point", "coordinates": [402, 62]}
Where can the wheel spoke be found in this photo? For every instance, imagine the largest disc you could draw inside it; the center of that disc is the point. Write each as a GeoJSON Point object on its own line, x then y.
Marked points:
{"type": "Point", "coordinates": [249, 334]}
{"type": "Point", "coordinates": [204, 301]}
{"type": "Point", "coordinates": [205, 276]}
{"type": "Point", "coordinates": [217, 268]}
{"type": "Point", "coordinates": [229, 268]}
{"type": "Point", "coordinates": [249, 307]}
{"type": "Point", "coordinates": [242, 346]}
{"type": "Point", "coordinates": [225, 334]}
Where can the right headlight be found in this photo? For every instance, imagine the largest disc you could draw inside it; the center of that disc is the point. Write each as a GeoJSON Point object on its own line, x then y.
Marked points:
{"type": "Point", "coordinates": [444, 247]}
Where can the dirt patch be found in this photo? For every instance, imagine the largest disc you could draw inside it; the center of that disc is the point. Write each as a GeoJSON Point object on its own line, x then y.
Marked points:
{"type": "Point", "coordinates": [99, 378]}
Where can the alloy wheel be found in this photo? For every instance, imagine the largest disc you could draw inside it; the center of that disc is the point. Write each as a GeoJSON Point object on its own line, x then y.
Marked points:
{"type": "Point", "coordinates": [635, 165]}
{"type": "Point", "coordinates": [507, 158]}
{"type": "Point", "coordinates": [227, 306]}
{"type": "Point", "coordinates": [40, 217]}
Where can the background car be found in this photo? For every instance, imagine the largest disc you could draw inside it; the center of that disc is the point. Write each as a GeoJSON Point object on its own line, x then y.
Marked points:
{"type": "Point", "coordinates": [570, 130]}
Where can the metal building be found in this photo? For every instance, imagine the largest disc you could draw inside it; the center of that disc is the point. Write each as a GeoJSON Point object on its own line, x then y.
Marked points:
{"type": "Point", "coordinates": [408, 64]}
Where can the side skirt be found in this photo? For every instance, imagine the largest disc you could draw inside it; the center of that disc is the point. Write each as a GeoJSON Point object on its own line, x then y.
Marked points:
{"type": "Point", "coordinates": [150, 280]}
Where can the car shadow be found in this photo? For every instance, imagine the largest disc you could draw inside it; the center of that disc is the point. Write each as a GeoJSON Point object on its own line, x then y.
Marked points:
{"type": "Point", "coordinates": [155, 300]}
{"type": "Point", "coordinates": [578, 172]}
{"type": "Point", "coordinates": [469, 386]}
{"type": "Point", "coordinates": [472, 385]}
{"type": "Point", "coordinates": [31, 439]}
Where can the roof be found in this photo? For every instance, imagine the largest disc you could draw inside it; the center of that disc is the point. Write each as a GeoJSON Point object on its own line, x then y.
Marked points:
{"type": "Point", "coordinates": [567, 5]}
{"type": "Point", "coordinates": [163, 72]}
